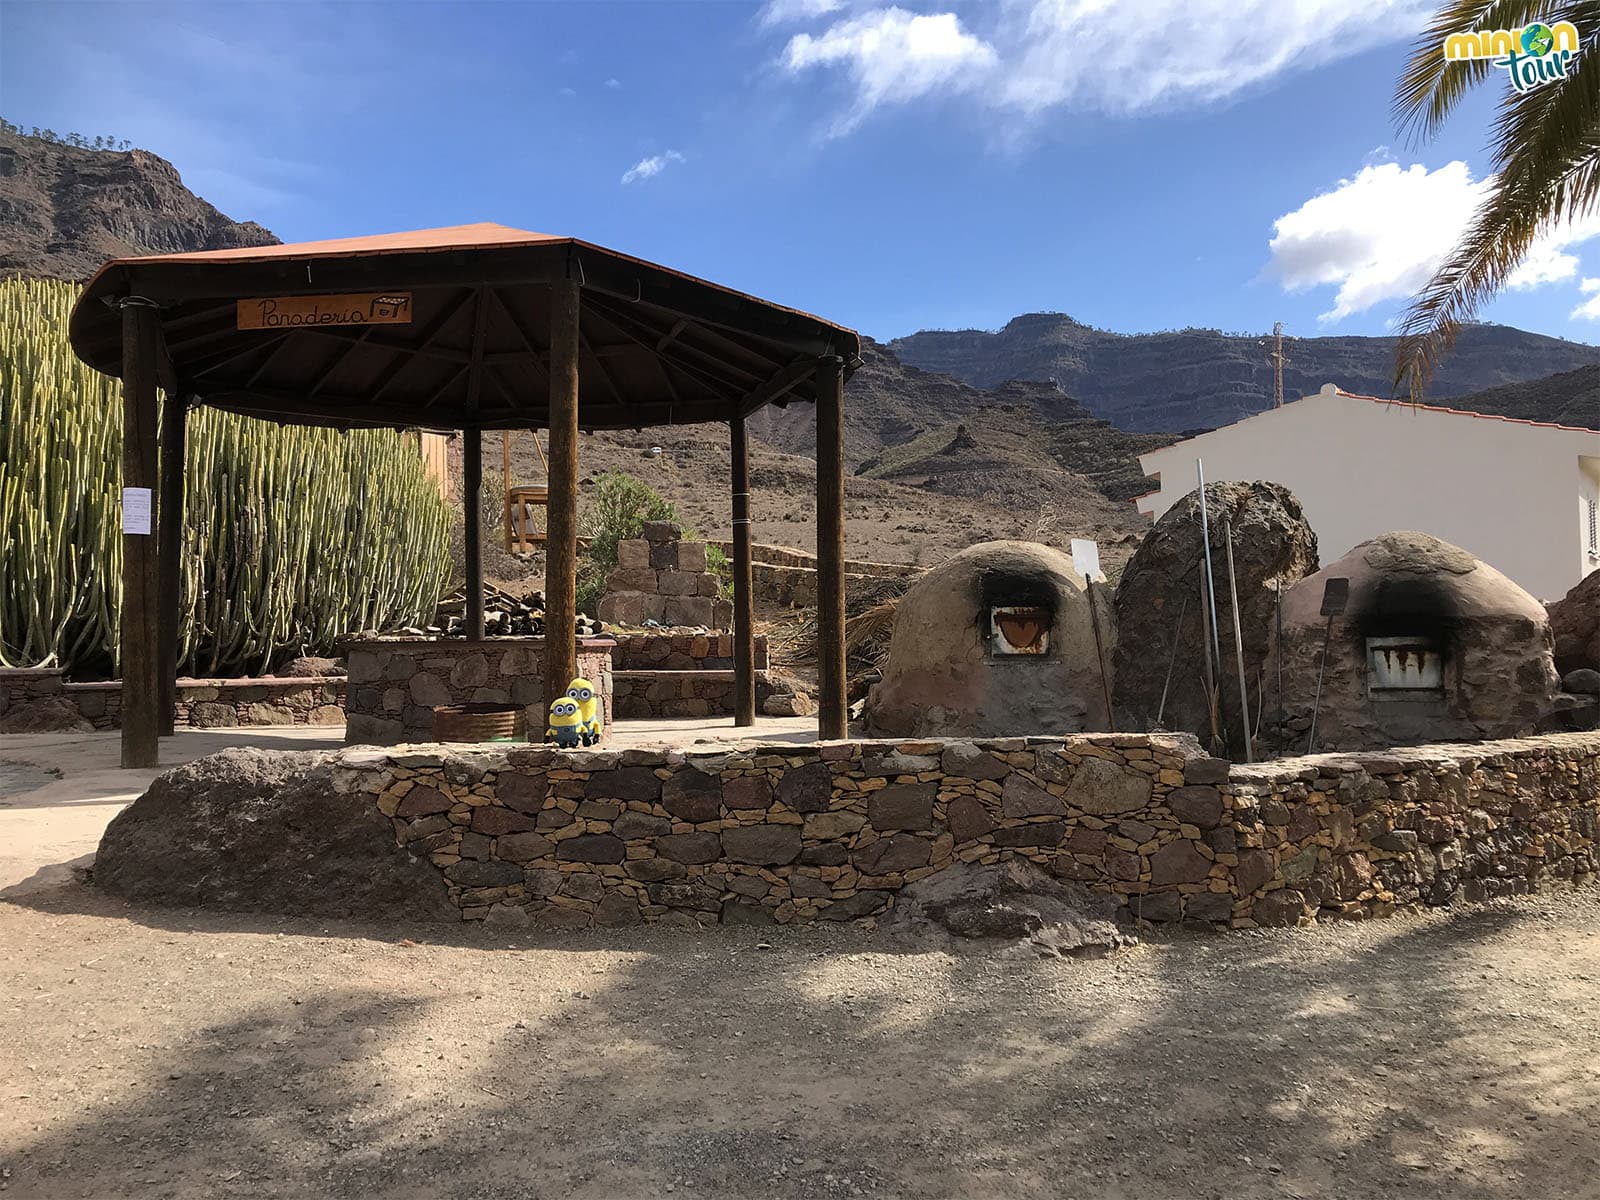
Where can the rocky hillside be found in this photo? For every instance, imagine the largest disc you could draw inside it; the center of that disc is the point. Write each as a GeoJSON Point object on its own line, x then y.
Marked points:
{"type": "Point", "coordinates": [65, 209]}
{"type": "Point", "coordinates": [1570, 398]}
{"type": "Point", "coordinates": [1200, 378]}
{"type": "Point", "coordinates": [894, 413]}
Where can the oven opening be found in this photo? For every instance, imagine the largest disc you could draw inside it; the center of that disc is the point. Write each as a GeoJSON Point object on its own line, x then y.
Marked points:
{"type": "Point", "coordinates": [1405, 668]}
{"type": "Point", "coordinates": [1016, 612]}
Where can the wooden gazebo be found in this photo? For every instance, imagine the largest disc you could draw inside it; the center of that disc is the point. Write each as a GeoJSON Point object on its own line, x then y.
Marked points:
{"type": "Point", "coordinates": [471, 327]}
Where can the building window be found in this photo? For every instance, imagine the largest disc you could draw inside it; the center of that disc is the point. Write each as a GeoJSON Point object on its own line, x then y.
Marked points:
{"type": "Point", "coordinates": [1594, 527]}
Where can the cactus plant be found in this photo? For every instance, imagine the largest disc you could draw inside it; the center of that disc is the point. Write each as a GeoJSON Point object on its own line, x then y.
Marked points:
{"type": "Point", "coordinates": [293, 536]}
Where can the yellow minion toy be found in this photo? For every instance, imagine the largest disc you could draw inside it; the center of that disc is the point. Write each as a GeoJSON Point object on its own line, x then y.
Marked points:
{"type": "Point", "coordinates": [566, 726]}
{"type": "Point", "coordinates": [590, 718]}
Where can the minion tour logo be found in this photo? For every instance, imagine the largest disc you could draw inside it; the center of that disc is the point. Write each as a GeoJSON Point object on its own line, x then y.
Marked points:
{"type": "Point", "coordinates": [1532, 55]}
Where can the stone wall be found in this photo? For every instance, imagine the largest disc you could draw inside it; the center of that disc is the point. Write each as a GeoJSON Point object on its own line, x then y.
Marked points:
{"type": "Point", "coordinates": [659, 577]}
{"type": "Point", "coordinates": [201, 703]}
{"type": "Point", "coordinates": [831, 831]}
{"type": "Point", "coordinates": [681, 650]}
{"type": "Point", "coordinates": [706, 693]}
{"type": "Point", "coordinates": [788, 578]}
{"type": "Point", "coordinates": [396, 683]}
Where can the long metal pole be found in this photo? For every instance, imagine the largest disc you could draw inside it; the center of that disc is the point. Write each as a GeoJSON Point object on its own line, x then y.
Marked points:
{"type": "Point", "coordinates": [1214, 647]}
{"type": "Point", "coordinates": [1211, 579]}
{"type": "Point", "coordinates": [1210, 676]}
{"type": "Point", "coordinates": [1238, 643]}
{"type": "Point", "coordinates": [1177, 641]}
{"type": "Point", "coordinates": [1316, 701]}
{"type": "Point", "coordinates": [1100, 654]}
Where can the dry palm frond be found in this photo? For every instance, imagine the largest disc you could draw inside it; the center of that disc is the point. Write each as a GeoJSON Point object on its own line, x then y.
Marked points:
{"type": "Point", "coordinates": [1546, 142]}
{"type": "Point", "coordinates": [866, 635]}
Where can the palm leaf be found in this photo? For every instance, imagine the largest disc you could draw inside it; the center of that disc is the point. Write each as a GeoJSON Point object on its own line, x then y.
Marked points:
{"type": "Point", "coordinates": [1545, 147]}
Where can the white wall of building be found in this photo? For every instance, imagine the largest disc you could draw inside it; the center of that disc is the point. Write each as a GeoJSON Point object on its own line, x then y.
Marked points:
{"type": "Point", "coordinates": [1508, 491]}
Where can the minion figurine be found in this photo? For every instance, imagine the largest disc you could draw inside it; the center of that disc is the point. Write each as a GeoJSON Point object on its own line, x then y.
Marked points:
{"type": "Point", "coordinates": [566, 725]}
{"type": "Point", "coordinates": [589, 710]}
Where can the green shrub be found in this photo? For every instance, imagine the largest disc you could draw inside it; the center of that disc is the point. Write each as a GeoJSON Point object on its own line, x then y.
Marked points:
{"type": "Point", "coordinates": [293, 537]}
{"type": "Point", "coordinates": [617, 512]}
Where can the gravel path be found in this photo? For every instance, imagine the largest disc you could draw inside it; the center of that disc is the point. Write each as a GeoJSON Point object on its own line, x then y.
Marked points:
{"type": "Point", "coordinates": [188, 1054]}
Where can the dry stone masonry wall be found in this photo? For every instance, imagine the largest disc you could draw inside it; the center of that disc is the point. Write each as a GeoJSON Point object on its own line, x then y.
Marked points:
{"type": "Point", "coordinates": [396, 683]}
{"type": "Point", "coordinates": [659, 577]}
{"type": "Point", "coordinates": [832, 831]}
{"type": "Point", "coordinates": [201, 703]}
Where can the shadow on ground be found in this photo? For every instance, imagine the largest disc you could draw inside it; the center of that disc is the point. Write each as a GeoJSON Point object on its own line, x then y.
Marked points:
{"type": "Point", "coordinates": [1435, 1057]}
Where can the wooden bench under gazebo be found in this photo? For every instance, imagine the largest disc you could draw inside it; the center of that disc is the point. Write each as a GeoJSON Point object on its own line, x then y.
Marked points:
{"type": "Point", "coordinates": [471, 327]}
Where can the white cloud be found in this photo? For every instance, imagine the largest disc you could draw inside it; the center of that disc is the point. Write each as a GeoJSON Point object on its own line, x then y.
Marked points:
{"type": "Point", "coordinates": [1380, 235]}
{"type": "Point", "coordinates": [613, 84]}
{"type": "Point", "coordinates": [893, 56]}
{"type": "Point", "coordinates": [647, 168]}
{"type": "Point", "coordinates": [1589, 310]}
{"type": "Point", "coordinates": [788, 12]}
{"type": "Point", "coordinates": [1118, 58]}
{"type": "Point", "coordinates": [1098, 55]}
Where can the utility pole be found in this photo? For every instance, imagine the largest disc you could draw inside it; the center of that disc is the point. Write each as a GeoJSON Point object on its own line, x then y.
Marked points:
{"type": "Point", "coordinates": [1278, 359]}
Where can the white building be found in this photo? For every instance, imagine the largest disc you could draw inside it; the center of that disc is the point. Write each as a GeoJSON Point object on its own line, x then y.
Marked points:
{"type": "Point", "coordinates": [1524, 496]}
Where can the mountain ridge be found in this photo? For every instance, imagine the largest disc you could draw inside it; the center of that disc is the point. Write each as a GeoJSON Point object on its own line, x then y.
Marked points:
{"type": "Point", "coordinates": [1202, 378]}
{"type": "Point", "coordinates": [66, 209]}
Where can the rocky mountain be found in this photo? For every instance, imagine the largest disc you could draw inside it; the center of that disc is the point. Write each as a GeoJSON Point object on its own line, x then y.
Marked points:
{"type": "Point", "coordinates": [1570, 398]}
{"type": "Point", "coordinates": [895, 414]}
{"type": "Point", "coordinates": [65, 209]}
{"type": "Point", "coordinates": [1201, 378]}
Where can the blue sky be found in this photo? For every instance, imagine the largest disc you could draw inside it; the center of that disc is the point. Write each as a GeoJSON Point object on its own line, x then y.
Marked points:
{"type": "Point", "coordinates": [1144, 165]}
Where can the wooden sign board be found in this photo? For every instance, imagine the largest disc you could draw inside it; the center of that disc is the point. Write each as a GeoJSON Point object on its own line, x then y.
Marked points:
{"type": "Point", "coordinates": [290, 312]}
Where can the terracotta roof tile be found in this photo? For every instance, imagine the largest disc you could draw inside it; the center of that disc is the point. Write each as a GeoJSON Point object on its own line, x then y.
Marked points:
{"type": "Point", "coordinates": [1461, 412]}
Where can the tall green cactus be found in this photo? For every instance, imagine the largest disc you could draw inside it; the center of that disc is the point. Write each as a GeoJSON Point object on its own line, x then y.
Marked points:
{"type": "Point", "coordinates": [293, 536]}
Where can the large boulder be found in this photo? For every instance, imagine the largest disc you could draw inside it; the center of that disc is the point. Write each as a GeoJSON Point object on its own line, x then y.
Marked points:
{"type": "Point", "coordinates": [1013, 901]}
{"type": "Point", "coordinates": [50, 714]}
{"type": "Point", "coordinates": [1273, 548]}
{"type": "Point", "coordinates": [1575, 625]}
{"type": "Point", "coordinates": [944, 675]}
{"type": "Point", "coordinates": [265, 831]}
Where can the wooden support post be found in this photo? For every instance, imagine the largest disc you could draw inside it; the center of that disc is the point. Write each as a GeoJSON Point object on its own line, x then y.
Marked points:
{"type": "Point", "coordinates": [744, 647]}
{"type": "Point", "coordinates": [140, 648]}
{"type": "Point", "coordinates": [472, 503]}
{"type": "Point", "coordinates": [833, 715]}
{"type": "Point", "coordinates": [561, 543]}
{"type": "Point", "coordinates": [472, 472]}
{"type": "Point", "coordinates": [169, 548]}
{"type": "Point", "coordinates": [505, 455]}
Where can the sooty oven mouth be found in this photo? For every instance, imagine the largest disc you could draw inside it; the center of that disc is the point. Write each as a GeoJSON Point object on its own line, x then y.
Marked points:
{"type": "Point", "coordinates": [1405, 633]}
{"type": "Point", "coordinates": [1016, 612]}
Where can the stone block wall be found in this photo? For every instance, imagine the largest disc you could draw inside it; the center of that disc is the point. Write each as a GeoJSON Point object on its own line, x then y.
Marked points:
{"type": "Point", "coordinates": [396, 683]}
{"type": "Point", "coordinates": [1363, 834]}
{"type": "Point", "coordinates": [681, 650]}
{"type": "Point", "coordinates": [707, 693]}
{"type": "Point", "coordinates": [201, 703]}
{"type": "Point", "coordinates": [832, 831]}
{"type": "Point", "coordinates": [788, 578]}
{"type": "Point", "coordinates": [659, 577]}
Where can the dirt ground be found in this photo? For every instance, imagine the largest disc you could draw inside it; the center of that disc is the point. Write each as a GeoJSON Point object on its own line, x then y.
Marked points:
{"type": "Point", "coordinates": [179, 1053]}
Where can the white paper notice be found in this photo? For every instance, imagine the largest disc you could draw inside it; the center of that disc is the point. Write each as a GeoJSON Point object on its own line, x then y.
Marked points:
{"type": "Point", "coordinates": [135, 510]}
{"type": "Point", "coordinates": [1086, 559]}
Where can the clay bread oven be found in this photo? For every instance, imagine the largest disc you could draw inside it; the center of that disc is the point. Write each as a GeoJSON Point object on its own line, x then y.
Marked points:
{"type": "Point", "coordinates": [1433, 645]}
{"type": "Point", "coordinates": [995, 641]}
